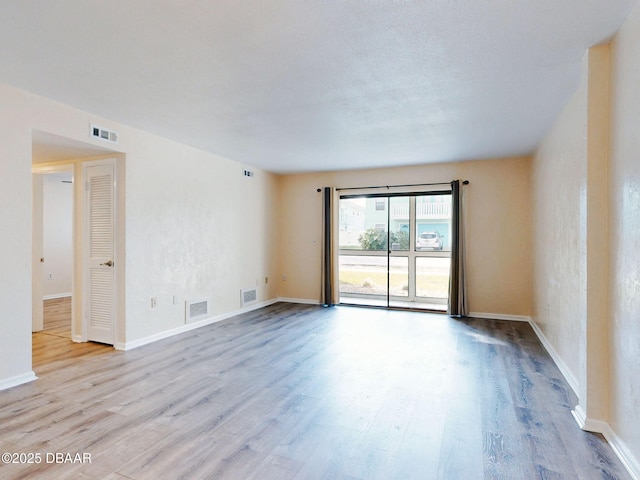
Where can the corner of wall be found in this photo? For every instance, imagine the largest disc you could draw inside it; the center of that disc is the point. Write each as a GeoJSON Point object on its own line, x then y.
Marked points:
{"type": "Point", "coordinates": [17, 380]}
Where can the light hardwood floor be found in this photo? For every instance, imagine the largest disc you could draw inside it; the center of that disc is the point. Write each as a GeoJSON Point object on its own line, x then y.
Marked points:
{"type": "Point", "coordinates": [305, 392]}
{"type": "Point", "coordinates": [57, 317]}
{"type": "Point", "coordinates": [53, 343]}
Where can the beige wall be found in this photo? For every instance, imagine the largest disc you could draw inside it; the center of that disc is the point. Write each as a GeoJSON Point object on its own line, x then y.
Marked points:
{"type": "Point", "coordinates": [195, 227]}
{"type": "Point", "coordinates": [498, 228]}
{"type": "Point", "coordinates": [559, 176]}
{"type": "Point", "coordinates": [625, 236]}
{"type": "Point", "coordinates": [569, 177]}
{"type": "Point", "coordinates": [586, 203]}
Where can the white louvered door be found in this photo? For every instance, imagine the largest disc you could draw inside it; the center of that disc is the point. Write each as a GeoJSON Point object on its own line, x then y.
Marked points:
{"type": "Point", "coordinates": [100, 243]}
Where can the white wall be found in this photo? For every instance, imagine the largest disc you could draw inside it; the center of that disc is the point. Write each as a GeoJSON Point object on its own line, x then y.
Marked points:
{"type": "Point", "coordinates": [195, 227]}
{"type": "Point", "coordinates": [57, 235]}
{"type": "Point", "coordinates": [15, 242]}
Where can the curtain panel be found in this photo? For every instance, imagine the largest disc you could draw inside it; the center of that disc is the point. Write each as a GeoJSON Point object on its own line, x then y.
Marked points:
{"type": "Point", "coordinates": [326, 247]}
{"type": "Point", "coordinates": [457, 279]}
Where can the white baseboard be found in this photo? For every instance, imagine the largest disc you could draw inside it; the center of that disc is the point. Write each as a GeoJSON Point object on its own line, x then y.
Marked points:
{"type": "Point", "coordinates": [56, 295]}
{"type": "Point", "coordinates": [500, 316]}
{"type": "Point", "coordinates": [305, 301]}
{"type": "Point", "coordinates": [579, 416]}
{"type": "Point", "coordinates": [566, 373]}
{"type": "Point", "coordinates": [628, 460]}
{"type": "Point", "coordinates": [17, 380]}
{"type": "Point", "coordinates": [190, 326]}
{"type": "Point", "coordinates": [588, 424]}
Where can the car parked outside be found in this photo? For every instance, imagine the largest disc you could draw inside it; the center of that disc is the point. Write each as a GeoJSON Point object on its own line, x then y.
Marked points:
{"type": "Point", "coordinates": [429, 241]}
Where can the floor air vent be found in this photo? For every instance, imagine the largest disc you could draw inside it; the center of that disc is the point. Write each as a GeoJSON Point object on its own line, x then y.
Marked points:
{"type": "Point", "coordinates": [197, 309]}
{"type": "Point", "coordinates": [249, 295]}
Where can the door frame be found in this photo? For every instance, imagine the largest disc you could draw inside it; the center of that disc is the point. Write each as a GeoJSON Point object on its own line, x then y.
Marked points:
{"type": "Point", "coordinates": [412, 254]}
{"type": "Point", "coordinates": [79, 314]}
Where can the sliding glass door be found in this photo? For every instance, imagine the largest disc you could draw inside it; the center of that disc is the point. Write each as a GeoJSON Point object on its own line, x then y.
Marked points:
{"type": "Point", "coordinates": [395, 250]}
{"type": "Point", "coordinates": [432, 226]}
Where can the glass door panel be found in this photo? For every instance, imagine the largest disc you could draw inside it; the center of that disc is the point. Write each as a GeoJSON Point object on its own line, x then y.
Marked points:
{"type": "Point", "coordinates": [400, 290]}
{"type": "Point", "coordinates": [399, 223]}
{"type": "Point", "coordinates": [363, 241]}
{"type": "Point", "coordinates": [399, 281]}
{"type": "Point", "coordinates": [363, 275]}
{"type": "Point", "coordinates": [432, 224]}
{"type": "Point", "coordinates": [399, 277]}
{"type": "Point", "coordinates": [432, 281]}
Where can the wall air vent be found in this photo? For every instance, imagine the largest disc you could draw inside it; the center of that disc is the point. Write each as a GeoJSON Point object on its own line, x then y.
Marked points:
{"type": "Point", "coordinates": [248, 295]}
{"type": "Point", "coordinates": [103, 134]}
{"type": "Point", "coordinates": [196, 310]}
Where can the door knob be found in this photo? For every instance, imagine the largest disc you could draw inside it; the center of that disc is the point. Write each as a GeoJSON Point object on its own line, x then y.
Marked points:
{"type": "Point", "coordinates": [107, 264]}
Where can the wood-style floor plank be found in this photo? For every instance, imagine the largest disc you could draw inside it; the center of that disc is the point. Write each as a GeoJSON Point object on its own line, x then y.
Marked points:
{"type": "Point", "coordinates": [57, 317]}
{"type": "Point", "coordinates": [304, 392]}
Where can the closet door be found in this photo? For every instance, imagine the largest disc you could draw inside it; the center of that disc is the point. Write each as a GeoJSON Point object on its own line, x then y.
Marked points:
{"type": "Point", "coordinates": [100, 225]}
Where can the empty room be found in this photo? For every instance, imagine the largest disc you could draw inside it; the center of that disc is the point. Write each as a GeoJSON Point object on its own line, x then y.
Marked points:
{"type": "Point", "coordinates": [320, 240]}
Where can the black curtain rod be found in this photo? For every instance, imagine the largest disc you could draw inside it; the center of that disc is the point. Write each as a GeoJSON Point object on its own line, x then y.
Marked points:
{"type": "Point", "coordinates": [465, 182]}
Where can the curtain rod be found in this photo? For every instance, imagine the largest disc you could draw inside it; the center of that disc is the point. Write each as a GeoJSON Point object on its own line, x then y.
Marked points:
{"type": "Point", "coordinates": [465, 182]}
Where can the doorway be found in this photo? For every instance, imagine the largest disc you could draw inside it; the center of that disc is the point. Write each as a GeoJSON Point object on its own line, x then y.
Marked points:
{"type": "Point", "coordinates": [57, 251]}
{"type": "Point", "coordinates": [95, 209]}
{"type": "Point", "coordinates": [395, 250]}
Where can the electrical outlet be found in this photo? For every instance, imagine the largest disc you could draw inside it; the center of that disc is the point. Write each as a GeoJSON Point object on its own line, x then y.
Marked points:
{"type": "Point", "coordinates": [154, 302]}
{"type": "Point", "coordinates": [51, 276]}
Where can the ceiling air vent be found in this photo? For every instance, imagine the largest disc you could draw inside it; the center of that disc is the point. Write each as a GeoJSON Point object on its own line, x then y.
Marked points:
{"type": "Point", "coordinates": [103, 134]}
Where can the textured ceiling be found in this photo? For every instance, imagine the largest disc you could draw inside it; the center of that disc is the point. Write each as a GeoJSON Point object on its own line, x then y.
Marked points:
{"type": "Point", "coordinates": [297, 85]}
